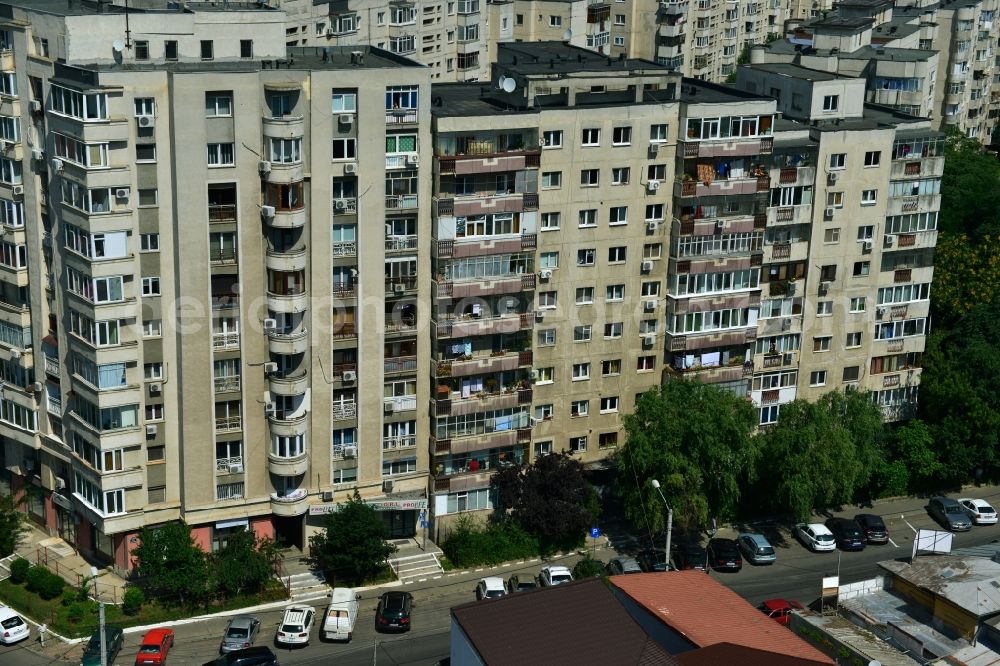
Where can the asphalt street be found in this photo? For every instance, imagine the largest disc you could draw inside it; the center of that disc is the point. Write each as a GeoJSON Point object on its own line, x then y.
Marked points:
{"type": "Point", "coordinates": [796, 575]}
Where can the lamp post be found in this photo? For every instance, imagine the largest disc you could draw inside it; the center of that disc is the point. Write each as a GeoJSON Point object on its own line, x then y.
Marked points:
{"type": "Point", "coordinates": [670, 521]}
{"type": "Point", "coordinates": [104, 647]}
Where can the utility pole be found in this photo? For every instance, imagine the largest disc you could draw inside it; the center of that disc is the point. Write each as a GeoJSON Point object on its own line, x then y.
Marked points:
{"type": "Point", "coordinates": [670, 522]}
{"type": "Point", "coordinates": [104, 647]}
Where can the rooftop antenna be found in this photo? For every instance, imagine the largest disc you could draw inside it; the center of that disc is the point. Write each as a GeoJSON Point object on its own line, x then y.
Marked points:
{"type": "Point", "coordinates": [128, 32]}
{"type": "Point", "coordinates": [568, 35]}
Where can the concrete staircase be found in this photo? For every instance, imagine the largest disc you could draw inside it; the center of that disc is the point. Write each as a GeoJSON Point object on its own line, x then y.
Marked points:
{"type": "Point", "coordinates": [411, 568]}
{"type": "Point", "coordinates": [307, 585]}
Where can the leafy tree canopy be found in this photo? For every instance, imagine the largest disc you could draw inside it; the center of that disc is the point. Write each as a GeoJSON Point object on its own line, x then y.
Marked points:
{"type": "Point", "coordinates": [245, 563]}
{"type": "Point", "coordinates": [11, 524]}
{"type": "Point", "coordinates": [353, 544]}
{"type": "Point", "coordinates": [170, 564]}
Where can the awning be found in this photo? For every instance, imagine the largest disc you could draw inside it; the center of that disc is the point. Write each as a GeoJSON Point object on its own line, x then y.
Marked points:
{"type": "Point", "coordinates": [243, 522]}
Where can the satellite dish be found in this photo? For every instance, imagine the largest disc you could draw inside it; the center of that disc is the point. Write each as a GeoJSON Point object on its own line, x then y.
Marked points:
{"type": "Point", "coordinates": [568, 35]}
{"type": "Point", "coordinates": [508, 85]}
{"type": "Point", "coordinates": [501, 82]}
{"type": "Point", "coordinates": [118, 46]}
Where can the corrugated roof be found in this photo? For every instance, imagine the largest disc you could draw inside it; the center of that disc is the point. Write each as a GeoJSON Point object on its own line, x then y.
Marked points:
{"type": "Point", "coordinates": [727, 653]}
{"type": "Point", "coordinates": [706, 613]}
{"type": "Point", "coordinates": [578, 623]}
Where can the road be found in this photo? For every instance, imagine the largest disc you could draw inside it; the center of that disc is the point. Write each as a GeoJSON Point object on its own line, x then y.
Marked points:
{"type": "Point", "coordinates": [797, 575]}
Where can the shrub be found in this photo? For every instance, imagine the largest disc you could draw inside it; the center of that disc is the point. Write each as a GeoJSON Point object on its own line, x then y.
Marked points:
{"type": "Point", "coordinates": [471, 544]}
{"type": "Point", "coordinates": [587, 568]}
{"type": "Point", "coordinates": [35, 577]}
{"type": "Point", "coordinates": [80, 610]}
{"type": "Point", "coordinates": [52, 585]}
{"type": "Point", "coordinates": [133, 600]}
{"type": "Point", "coordinates": [19, 570]}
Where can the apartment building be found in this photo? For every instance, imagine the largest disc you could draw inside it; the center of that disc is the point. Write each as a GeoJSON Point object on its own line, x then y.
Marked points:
{"type": "Point", "coordinates": [210, 310]}
{"type": "Point", "coordinates": [550, 235]}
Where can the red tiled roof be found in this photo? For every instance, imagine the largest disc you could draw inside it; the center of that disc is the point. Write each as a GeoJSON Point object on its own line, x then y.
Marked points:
{"type": "Point", "coordinates": [727, 653]}
{"type": "Point", "coordinates": [706, 613]}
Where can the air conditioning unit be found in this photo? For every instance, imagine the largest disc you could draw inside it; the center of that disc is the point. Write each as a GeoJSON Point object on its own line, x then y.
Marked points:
{"type": "Point", "coordinates": [388, 407]}
{"type": "Point", "coordinates": [786, 323]}
{"type": "Point", "coordinates": [57, 164]}
{"type": "Point", "coordinates": [539, 315]}
{"type": "Point", "coordinates": [888, 240]}
{"type": "Point", "coordinates": [541, 142]}
{"type": "Point", "coordinates": [832, 177]}
{"type": "Point", "coordinates": [387, 486]}
{"type": "Point", "coordinates": [121, 193]}
{"type": "Point", "coordinates": [828, 213]}
{"type": "Point", "coordinates": [35, 106]}
{"type": "Point", "coordinates": [534, 375]}
{"type": "Point", "coordinates": [346, 119]}
{"type": "Point", "coordinates": [646, 266]}
{"type": "Point", "coordinates": [351, 168]}
{"type": "Point", "coordinates": [270, 408]}
{"type": "Point", "coordinates": [151, 430]}
{"type": "Point", "coordinates": [720, 225]}
{"type": "Point", "coordinates": [649, 340]}
{"type": "Point", "coordinates": [270, 368]}
{"type": "Point", "coordinates": [270, 324]}
{"type": "Point", "coordinates": [652, 186]}
{"type": "Point", "coordinates": [264, 166]}
{"type": "Point", "coordinates": [60, 483]}
{"type": "Point", "coordinates": [651, 226]}
{"type": "Point", "coordinates": [155, 388]}
{"type": "Point", "coordinates": [146, 121]}
{"type": "Point", "coordinates": [649, 306]}
{"type": "Point", "coordinates": [413, 159]}
{"type": "Point", "coordinates": [267, 212]}
{"type": "Point", "coordinates": [654, 148]}
{"type": "Point", "coordinates": [327, 495]}
{"type": "Point", "coordinates": [15, 354]}
{"type": "Point", "coordinates": [330, 32]}
{"type": "Point", "coordinates": [824, 287]}
{"type": "Point", "coordinates": [37, 387]}
{"type": "Point", "coordinates": [17, 190]}
{"type": "Point", "coordinates": [236, 469]}
{"type": "Point", "coordinates": [868, 246]}
{"type": "Point", "coordinates": [340, 205]}
{"type": "Point", "coordinates": [879, 313]}
{"type": "Point", "coordinates": [350, 376]}
{"type": "Point", "coordinates": [545, 274]}
{"type": "Point", "coordinates": [350, 452]}
{"type": "Point", "coordinates": [398, 288]}
{"type": "Point", "coordinates": [36, 154]}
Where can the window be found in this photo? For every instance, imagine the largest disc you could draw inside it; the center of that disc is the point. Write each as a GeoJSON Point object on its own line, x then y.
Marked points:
{"type": "Point", "coordinates": [590, 136]}
{"type": "Point", "coordinates": [146, 152]}
{"type": "Point", "coordinates": [154, 412]}
{"type": "Point", "coordinates": [150, 286]}
{"type": "Point", "coordinates": [545, 376]}
{"type": "Point", "coordinates": [866, 232]}
{"type": "Point", "coordinates": [621, 136]}
{"type": "Point", "coordinates": [152, 371]}
{"type": "Point", "coordinates": [652, 250]}
{"type": "Point", "coordinates": [148, 196]}
{"type": "Point", "coordinates": [615, 292]}
{"type": "Point", "coordinates": [588, 218]}
{"type": "Point", "coordinates": [66, 101]}
{"type": "Point", "coordinates": [831, 102]}
{"type": "Point", "coordinates": [853, 340]}
{"type": "Point", "coordinates": [555, 21]}
{"type": "Point", "coordinates": [221, 154]}
{"type": "Point", "coordinates": [656, 172]}
{"type": "Point", "coordinates": [620, 175]}
{"type": "Point", "coordinates": [152, 328]}
{"type": "Point", "coordinates": [611, 367]}
{"type": "Point", "coordinates": [654, 212]}
{"type": "Point", "coordinates": [144, 106]}
{"type": "Point", "coordinates": [543, 448]}
{"type": "Point", "coordinates": [617, 254]}
{"type": "Point", "coordinates": [861, 268]}
{"type": "Point", "coordinates": [609, 404]}
{"type": "Point", "coordinates": [824, 308]}
{"type": "Point", "coordinates": [344, 149]}
{"type": "Point", "coordinates": [579, 408]}
{"type": "Point", "coordinates": [817, 378]}
{"type": "Point", "coordinates": [831, 235]}
{"type": "Point", "coordinates": [650, 289]}
{"type": "Point", "coordinates": [619, 215]}
{"type": "Point", "coordinates": [551, 179]}
{"type": "Point", "coordinates": [858, 304]}
{"type": "Point", "coordinates": [553, 138]}
{"type": "Point", "coordinates": [149, 242]}
{"type": "Point", "coordinates": [141, 49]}
{"type": "Point", "coordinates": [645, 364]}
{"type": "Point", "coordinates": [578, 444]}
{"type": "Point", "coordinates": [170, 50]}
{"type": "Point", "coordinates": [344, 102]}
{"type": "Point", "coordinates": [769, 414]}
{"type": "Point", "coordinates": [218, 104]}
{"type": "Point", "coordinates": [585, 257]}
{"type": "Point", "coordinates": [873, 158]}
{"type": "Point", "coordinates": [821, 344]}
{"type": "Point", "coordinates": [828, 273]}
{"type": "Point", "coordinates": [838, 161]}
{"type": "Point", "coordinates": [584, 295]}
{"type": "Point", "coordinates": [835, 199]}
{"type": "Point", "coordinates": [851, 373]}
{"type": "Point", "coordinates": [582, 333]}
{"type": "Point", "coordinates": [658, 132]}
{"type": "Point", "coordinates": [549, 260]}
{"type": "Point", "coordinates": [590, 177]}
{"type": "Point", "coordinates": [207, 49]}
{"type": "Point", "coordinates": [581, 371]}
{"type": "Point", "coordinates": [869, 197]}
{"type": "Point", "coordinates": [613, 330]}
{"type": "Point", "coordinates": [550, 221]}
{"type": "Point", "coordinates": [246, 49]}
{"type": "Point", "coordinates": [547, 300]}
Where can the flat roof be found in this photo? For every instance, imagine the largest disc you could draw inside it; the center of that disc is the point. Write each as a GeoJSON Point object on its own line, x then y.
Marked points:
{"type": "Point", "coordinates": [842, 23]}
{"type": "Point", "coordinates": [868, 4]}
{"type": "Point", "coordinates": [873, 52]}
{"type": "Point", "coordinates": [555, 57]}
{"type": "Point", "coordinates": [91, 8]}
{"type": "Point", "coordinates": [971, 583]}
{"type": "Point", "coordinates": [797, 71]}
{"type": "Point", "coordinates": [694, 91]}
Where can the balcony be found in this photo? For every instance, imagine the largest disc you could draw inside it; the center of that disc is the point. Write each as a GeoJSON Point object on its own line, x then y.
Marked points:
{"type": "Point", "coordinates": [461, 248]}
{"type": "Point", "coordinates": [288, 218]}
{"type": "Point", "coordinates": [470, 471]}
{"type": "Point", "coordinates": [486, 203]}
{"type": "Point", "coordinates": [345, 206]}
{"type": "Point", "coordinates": [288, 423]}
{"type": "Point", "coordinates": [288, 343]}
{"type": "Point", "coordinates": [711, 339]}
{"type": "Point", "coordinates": [290, 504]}
{"type": "Point", "coordinates": [224, 384]}
{"type": "Point", "coordinates": [289, 302]}
{"type": "Point", "coordinates": [344, 249]}
{"type": "Point", "coordinates": [457, 405]}
{"type": "Point", "coordinates": [713, 374]}
{"type": "Point", "coordinates": [228, 423]}
{"type": "Point", "coordinates": [231, 465]}
{"type": "Point", "coordinates": [288, 466]}
{"type": "Point", "coordinates": [774, 361]}
{"type": "Point", "coordinates": [400, 364]}
{"type": "Point", "coordinates": [342, 411]}
{"type": "Point", "coordinates": [401, 117]}
{"type": "Point", "coordinates": [221, 213]}
{"type": "Point", "coordinates": [735, 147]}
{"type": "Point", "coordinates": [494, 285]}
{"type": "Point", "coordinates": [401, 285]}
{"type": "Point", "coordinates": [927, 167]}
{"type": "Point", "coordinates": [478, 365]}
{"type": "Point", "coordinates": [913, 204]}
{"type": "Point", "coordinates": [488, 162]}
{"type": "Point", "coordinates": [400, 244]}
{"type": "Point", "coordinates": [290, 260]}
{"type": "Point", "coordinates": [290, 384]}
{"type": "Point", "coordinates": [399, 442]}
{"type": "Point", "coordinates": [400, 326]}
{"type": "Point", "coordinates": [53, 405]}
{"type": "Point", "coordinates": [225, 302]}
{"type": "Point", "coordinates": [283, 127]}
{"type": "Point", "coordinates": [907, 241]}
{"type": "Point", "coordinates": [459, 326]}
{"type": "Point", "coordinates": [723, 187]}
{"type": "Point", "coordinates": [342, 330]}
{"type": "Point", "coordinates": [402, 161]}
{"type": "Point", "coordinates": [51, 365]}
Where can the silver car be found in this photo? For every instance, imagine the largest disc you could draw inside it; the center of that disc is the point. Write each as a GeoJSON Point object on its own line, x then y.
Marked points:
{"type": "Point", "coordinates": [756, 548]}
{"type": "Point", "coordinates": [240, 633]}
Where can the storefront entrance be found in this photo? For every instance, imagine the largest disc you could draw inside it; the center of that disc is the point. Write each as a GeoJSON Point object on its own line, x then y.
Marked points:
{"type": "Point", "coordinates": [401, 524]}
{"type": "Point", "coordinates": [289, 531]}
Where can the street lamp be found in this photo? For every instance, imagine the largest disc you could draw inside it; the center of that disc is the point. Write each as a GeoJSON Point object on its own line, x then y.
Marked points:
{"type": "Point", "coordinates": [670, 522]}
{"type": "Point", "coordinates": [100, 629]}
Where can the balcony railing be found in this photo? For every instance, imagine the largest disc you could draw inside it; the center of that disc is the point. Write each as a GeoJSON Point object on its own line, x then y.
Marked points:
{"type": "Point", "coordinates": [227, 383]}
{"type": "Point", "coordinates": [228, 423]}
{"type": "Point", "coordinates": [231, 465]}
{"type": "Point", "coordinates": [54, 405]}
{"type": "Point", "coordinates": [403, 403]}
{"type": "Point", "coordinates": [222, 213]}
{"type": "Point", "coordinates": [400, 364]}
{"type": "Point", "coordinates": [399, 442]}
{"type": "Point", "coordinates": [227, 302]}
{"type": "Point", "coordinates": [296, 495]}
{"type": "Point", "coordinates": [781, 250]}
{"type": "Point", "coordinates": [400, 116]}
{"type": "Point", "coordinates": [338, 370]}
{"type": "Point", "coordinates": [225, 340]}
{"type": "Point", "coordinates": [398, 243]}
{"type": "Point", "coordinates": [344, 410]}
{"type": "Point", "coordinates": [400, 201]}
{"type": "Point", "coordinates": [51, 365]}
{"type": "Point", "coordinates": [400, 284]}
{"type": "Point", "coordinates": [344, 330]}
{"type": "Point", "coordinates": [344, 289]}
{"type": "Point", "coordinates": [344, 248]}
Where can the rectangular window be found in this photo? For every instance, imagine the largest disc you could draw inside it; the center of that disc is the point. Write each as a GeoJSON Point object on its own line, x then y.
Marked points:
{"type": "Point", "coordinates": [861, 268]}
{"type": "Point", "coordinates": [547, 337]}
{"type": "Point", "coordinates": [551, 179]}
{"type": "Point", "coordinates": [817, 378]}
{"type": "Point", "coordinates": [582, 333]}
{"type": "Point", "coordinates": [590, 136]}
{"type": "Point", "coordinates": [218, 104]}
{"type": "Point", "coordinates": [207, 49]}
{"type": "Point", "coordinates": [617, 254]}
{"type": "Point", "coordinates": [615, 292]}
{"type": "Point", "coordinates": [545, 376]}
{"type": "Point", "coordinates": [824, 308]}
{"type": "Point", "coordinates": [584, 295]}
{"type": "Point", "coordinates": [853, 340]}
{"type": "Point", "coordinates": [588, 218]}
{"type": "Point", "coordinates": [831, 235]}
{"type": "Point", "coordinates": [578, 444]}
{"type": "Point", "coordinates": [838, 161]}
{"type": "Point", "coordinates": [613, 330]}
{"type": "Point", "coordinates": [869, 197]}
{"type": "Point", "coordinates": [621, 136]}
{"type": "Point", "coordinates": [149, 242]}
{"type": "Point", "coordinates": [619, 215]}
{"type": "Point", "coordinates": [585, 257]}
{"type": "Point", "coordinates": [858, 304]}
{"type": "Point", "coordinates": [344, 149]}
{"type": "Point", "coordinates": [552, 139]}
{"type": "Point", "coordinates": [873, 158]}
{"type": "Point", "coordinates": [246, 49]}
{"type": "Point", "coordinates": [170, 50]}
{"type": "Point", "coordinates": [821, 344]}
{"type": "Point", "coordinates": [547, 300]}
{"type": "Point", "coordinates": [831, 102]}
{"type": "Point", "coordinates": [611, 367]}
{"type": "Point", "coordinates": [620, 175]}
{"type": "Point", "coordinates": [550, 221]}
{"type": "Point", "coordinates": [579, 408]}
{"type": "Point", "coordinates": [150, 286]}
{"type": "Point", "coordinates": [609, 404]}
{"type": "Point", "coordinates": [835, 199]}
{"type": "Point", "coordinates": [152, 328]}
{"type": "Point", "coordinates": [549, 260]}
{"type": "Point", "coordinates": [345, 102]}
{"type": "Point", "coordinates": [221, 154]}
{"type": "Point", "coordinates": [645, 364]}
{"type": "Point", "coordinates": [590, 177]}
{"type": "Point", "coordinates": [581, 372]}
{"type": "Point", "coordinates": [141, 49]}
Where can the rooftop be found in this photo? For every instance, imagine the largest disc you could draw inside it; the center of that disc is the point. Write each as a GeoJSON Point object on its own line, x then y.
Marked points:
{"type": "Point", "coordinates": [971, 583]}
{"type": "Point", "coordinates": [92, 7]}
{"type": "Point", "coordinates": [553, 57]}
{"type": "Point", "coordinates": [697, 91]}
{"type": "Point", "coordinates": [842, 23]}
{"type": "Point", "coordinates": [797, 71]}
{"type": "Point", "coordinates": [877, 52]}
{"type": "Point", "coordinates": [602, 632]}
{"type": "Point", "coordinates": [707, 613]}
{"type": "Point", "coordinates": [865, 4]}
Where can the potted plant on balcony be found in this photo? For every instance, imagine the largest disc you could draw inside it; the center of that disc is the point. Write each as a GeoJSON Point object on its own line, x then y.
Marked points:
{"type": "Point", "coordinates": [443, 391]}
{"type": "Point", "coordinates": [490, 384]}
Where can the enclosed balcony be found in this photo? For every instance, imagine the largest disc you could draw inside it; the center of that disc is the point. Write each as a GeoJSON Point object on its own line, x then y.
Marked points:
{"type": "Point", "coordinates": [287, 260]}
{"type": "Point", "coordinates": [289, 383]}
{"type": "Point", "coordinates": [483, 363]}
{"type": "Point", "coordinates": [286, 204]}
{"type": "Point", "coordinates": [286, 291]}
{"type": "Point", "coordinates": [293, 503]}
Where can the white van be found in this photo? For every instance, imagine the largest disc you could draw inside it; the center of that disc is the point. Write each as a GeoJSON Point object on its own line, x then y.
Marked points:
{"type": "Point", "coordinates": [341, 614]}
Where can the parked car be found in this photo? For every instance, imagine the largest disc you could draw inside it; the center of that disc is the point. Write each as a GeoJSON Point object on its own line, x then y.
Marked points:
{"type": "Point", "coordinates": [114, 637]}
{"type": "Point", "coordinates": [296, 625]}
{"type": "Point", "coordinates": [873, 527]}
{"type": "Point", "coordinates": [393, 612]}
{"type": "Point", "coordinates": [816, 537]}
{"type": "Point", "coordinates": [724, 555]}
{"type": "Point", "coordinates": [619, 566]}
{"type": "Point", "coordinates": [846, 533]}
{"type": "Point", "coordinates": [689, 555]}
{"type": "Point", "coordinates": [14, 627]}
{"type": "Point", "coordinates": [518, 583]}
{"type": "Point", "coordinates": [756, 548]}
{"type": "Point", "coordinates": [653, 559]}
{"type": "Point", "coordinates": [779, 610]}
{"type": "Point", "coordinates": [241, 632]}
{"type": "Point", "coordinates": [979, 511]}
{"type": "Point", "coordinates": [554, 575]}
{"type": "Point", "coordinates": [491, 587]}
{"type": "Point", "coordinates": [949, 513]}
{"type": "Point", "coordinates": [341, 615]}
{"type": "Point", "coordinates": [258, 655]}
{"type": "Point", "coordinates": [155, 646]}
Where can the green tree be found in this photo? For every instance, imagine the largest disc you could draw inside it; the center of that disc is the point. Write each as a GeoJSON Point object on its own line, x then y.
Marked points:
{"type": "Point", "coordinates": [698, 441]}
{"type": "Point", "coordinates": [549, 499]}
{"type": "Point", "coordinates": [353, 543]}
{"type": "Point", "coordinates": [11, 524]}
{"type": "Point", "coordinates": [245, 563]}
{"type": "Point", "coordinates": [913, 448]}
{"type": "Point", "coordinates": [171, 566]}
{"type": "Point", "coordinates": [970, 188]}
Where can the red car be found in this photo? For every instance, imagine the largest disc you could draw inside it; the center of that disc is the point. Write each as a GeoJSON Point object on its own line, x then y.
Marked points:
{"type": "Point", "coordinates": [155, 646]}
{"type": "Point", "coordinates": [780, 610]}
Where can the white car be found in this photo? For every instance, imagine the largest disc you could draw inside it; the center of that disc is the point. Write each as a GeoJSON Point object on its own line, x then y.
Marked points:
{"type": "Point", "coordinates": [296, 625]}
{"type": "Point", "coordinates": [491, 587]}
{"type": "Point", "coordinates": [816, 537]}
{"type": "Point", "coordinates": [979, 511]}
{"type": "Point", "coordinates": [13, 628]}
{"type": "Point", "coordinates": [554, 575]}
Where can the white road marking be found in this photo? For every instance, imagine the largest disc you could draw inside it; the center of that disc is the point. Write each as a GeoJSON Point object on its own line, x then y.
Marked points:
{"type": "Point", "coordinates": [894, 543]}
